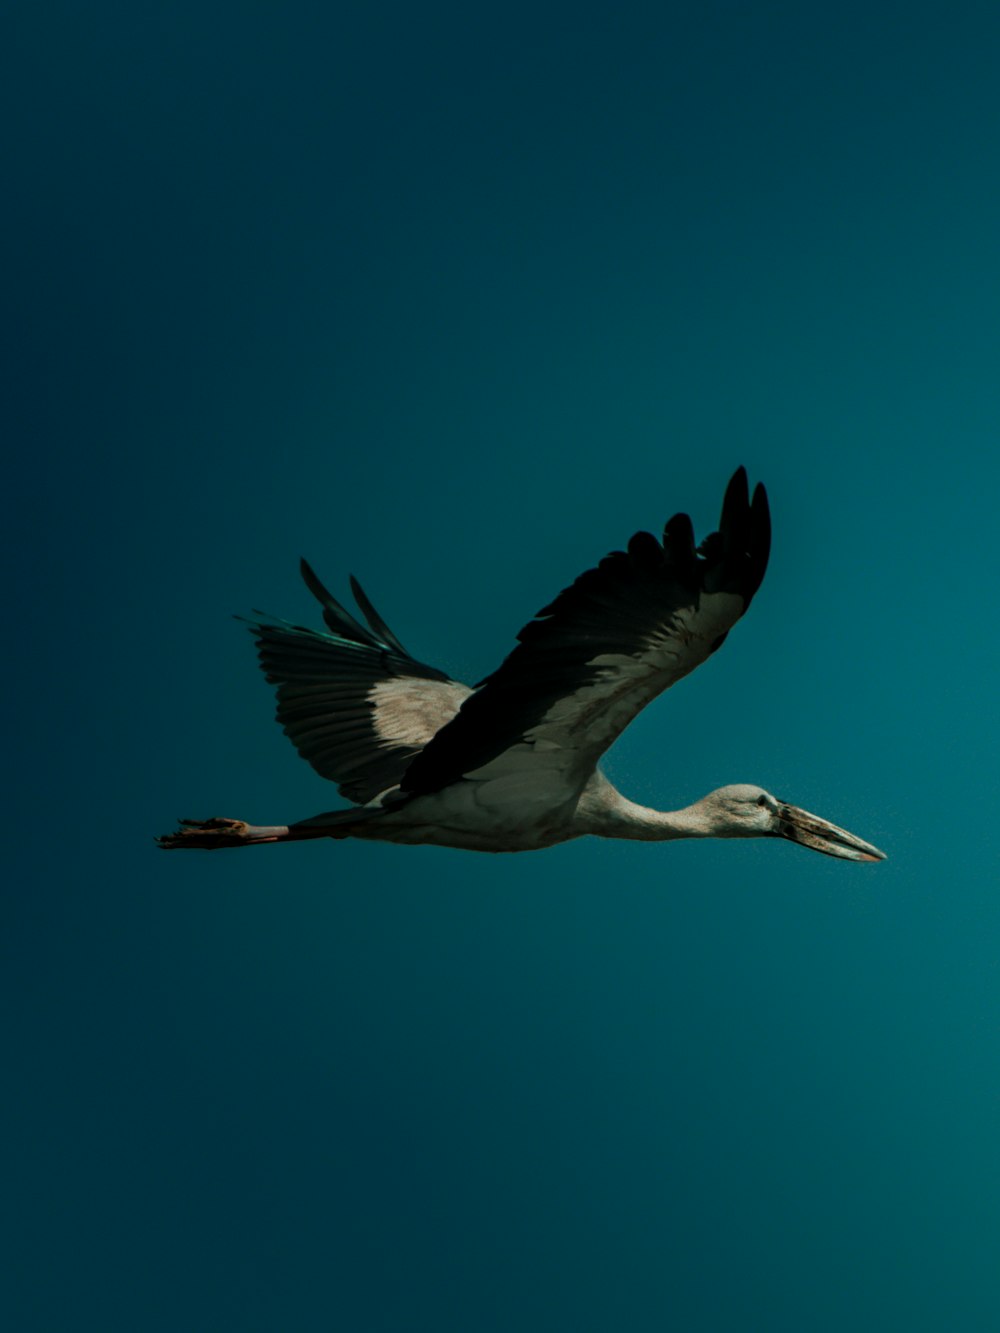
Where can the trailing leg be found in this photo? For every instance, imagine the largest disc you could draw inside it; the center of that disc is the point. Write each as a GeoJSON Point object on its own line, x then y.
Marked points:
{"type": "Point", "coordinates": [212, 834]}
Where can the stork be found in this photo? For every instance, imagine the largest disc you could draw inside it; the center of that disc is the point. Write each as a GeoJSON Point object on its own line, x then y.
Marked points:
{"type": "Point", "coordinates": [512, 764]}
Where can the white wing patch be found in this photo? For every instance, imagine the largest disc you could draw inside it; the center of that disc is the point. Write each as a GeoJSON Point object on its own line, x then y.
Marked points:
{"type": "Point", "coordinates": [409, 711]}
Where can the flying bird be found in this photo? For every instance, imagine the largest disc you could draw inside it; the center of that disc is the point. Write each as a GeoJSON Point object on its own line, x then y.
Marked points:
{"type": "Point", "coordinates": [512, 764]}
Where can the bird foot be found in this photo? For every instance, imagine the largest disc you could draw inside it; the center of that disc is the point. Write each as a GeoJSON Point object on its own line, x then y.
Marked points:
{"type": "Point", "coordinates": [211, 834]}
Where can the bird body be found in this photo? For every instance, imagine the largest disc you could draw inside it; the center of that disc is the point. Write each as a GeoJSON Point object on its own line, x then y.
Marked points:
{"type": "Point", "coordinates": [512, 765]}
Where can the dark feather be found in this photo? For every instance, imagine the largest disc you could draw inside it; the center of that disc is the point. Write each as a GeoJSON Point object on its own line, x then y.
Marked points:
{"type": "Point", "coordinates": [341, 622]}
{"type": "Point", "coordinates": [376, 622]}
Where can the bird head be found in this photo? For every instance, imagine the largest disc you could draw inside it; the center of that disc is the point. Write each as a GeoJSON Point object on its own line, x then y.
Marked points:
{"type": "Point", "coordinates": [745, 811]}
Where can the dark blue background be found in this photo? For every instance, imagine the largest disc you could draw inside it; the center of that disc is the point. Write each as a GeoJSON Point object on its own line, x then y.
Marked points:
{"type": "Point", "coordinates": [458, 299]}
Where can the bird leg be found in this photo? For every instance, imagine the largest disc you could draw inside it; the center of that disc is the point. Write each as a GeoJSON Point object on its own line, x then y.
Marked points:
{"type": "Point", "coordinates": [211, 834]}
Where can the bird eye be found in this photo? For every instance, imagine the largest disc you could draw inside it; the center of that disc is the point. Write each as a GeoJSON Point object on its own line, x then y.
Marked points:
{"type": "Point", "coordinates": [762, 800]}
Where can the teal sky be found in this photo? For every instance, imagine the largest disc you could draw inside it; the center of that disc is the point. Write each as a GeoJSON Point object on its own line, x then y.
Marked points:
{"type": "Point", "coordinates": [457, 300]}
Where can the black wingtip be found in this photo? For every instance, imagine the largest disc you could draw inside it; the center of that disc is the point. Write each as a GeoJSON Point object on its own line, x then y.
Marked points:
{"type": "Point", "coordinates": [679, 542]}
{"type": "Point", "coordinates": [679, 531]}
{"type": "Point", "coordinates": [760, 534]}
{"type": "Point", "coordinates": [736, 501]}
{"type": "Point", "coordinates": [337, 619]}
{"type": "Point", "coordinates": [739, 549]}
{"type": "Point", "coordinates": [311, 581]}
{"type": "Point", "coordinates": [375, 621]}
{"type": "Point", "coordinates": [759, 507]}
{"type": "Point", "coordinates": [319, 589]}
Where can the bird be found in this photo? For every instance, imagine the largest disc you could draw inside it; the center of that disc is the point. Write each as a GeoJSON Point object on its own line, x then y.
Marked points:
{"type": "Point", "coordinates": [513, 763]}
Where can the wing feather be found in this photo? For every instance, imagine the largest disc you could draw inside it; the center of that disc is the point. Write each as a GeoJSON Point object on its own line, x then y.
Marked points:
{"type": "Point", "coordinates": [352, 700]}
{"type": "Point", "coordinates": [608, 644]}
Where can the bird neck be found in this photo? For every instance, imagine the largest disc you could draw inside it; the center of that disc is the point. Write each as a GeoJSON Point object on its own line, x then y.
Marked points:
{"type": "Point", "coordinates": [664, 825]}
{"type": "Point", "coordinates": [618, 817]}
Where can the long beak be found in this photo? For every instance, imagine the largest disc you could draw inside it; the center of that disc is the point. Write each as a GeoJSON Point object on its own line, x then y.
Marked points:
{"type": "Point", "coordinates": [811, 831]}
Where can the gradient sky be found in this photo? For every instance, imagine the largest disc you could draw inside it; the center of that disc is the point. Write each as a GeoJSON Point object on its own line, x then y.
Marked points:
{"type": "Point", "coordinates": [458, 299]}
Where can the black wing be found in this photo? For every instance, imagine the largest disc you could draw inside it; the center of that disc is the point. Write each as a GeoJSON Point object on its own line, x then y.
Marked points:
{"type": "Point", "coordinates": [353, 702]}
{"type": "Point", "coordinates": [607, 645]}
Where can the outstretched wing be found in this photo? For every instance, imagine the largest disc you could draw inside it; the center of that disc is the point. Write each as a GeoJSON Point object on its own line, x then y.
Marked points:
{"type": "Point", "coordinates": [607, 645]}
{"type": "Point", "coordinates": [353, 702]}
